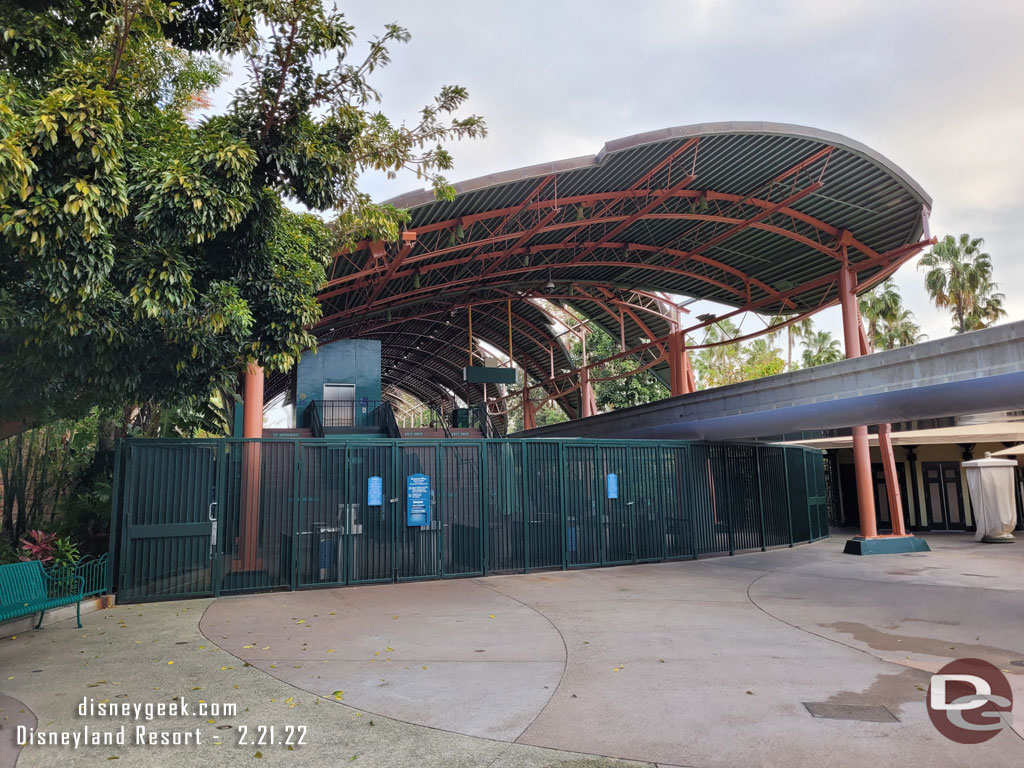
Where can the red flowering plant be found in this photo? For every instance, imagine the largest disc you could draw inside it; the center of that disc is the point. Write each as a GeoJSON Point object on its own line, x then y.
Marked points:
{"type": "Point", "coordinates": [37, 545]}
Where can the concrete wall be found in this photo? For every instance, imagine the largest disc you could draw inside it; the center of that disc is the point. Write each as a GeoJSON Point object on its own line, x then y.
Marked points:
{"type": "Point", "coordinates": [348, 361]}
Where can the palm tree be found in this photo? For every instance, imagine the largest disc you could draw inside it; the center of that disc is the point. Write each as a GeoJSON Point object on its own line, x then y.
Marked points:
{"type": "Point", "coordinates": [821, 348]}
{"type": "Point", "coordinates": [795, 332]}
{"type": "Point", "coordinates": [882, 303]}
{"type": "Point", "coordinates": [899, 331]}
{"type": "Point", "coordinates": [959, 278]}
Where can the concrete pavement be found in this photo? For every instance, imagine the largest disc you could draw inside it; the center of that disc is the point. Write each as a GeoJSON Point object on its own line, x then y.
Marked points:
{"type": "Point", "coordinates": [708, 663]}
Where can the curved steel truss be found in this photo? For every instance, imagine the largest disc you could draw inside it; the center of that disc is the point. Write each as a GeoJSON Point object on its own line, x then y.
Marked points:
{"type": "Point", "coordinates": [757, 217]}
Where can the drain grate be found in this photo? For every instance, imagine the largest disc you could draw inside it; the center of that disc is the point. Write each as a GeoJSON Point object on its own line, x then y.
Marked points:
{"type": "Point", "coordinates": [829, 711]}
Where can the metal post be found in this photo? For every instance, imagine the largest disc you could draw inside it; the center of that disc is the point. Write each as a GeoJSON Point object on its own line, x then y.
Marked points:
{"type": "Point", "coordinates": [116, 518]}
{"type": "Point", "coordinates": [760, 497]}
{"type": "Point", "coordinates": [861, 451]}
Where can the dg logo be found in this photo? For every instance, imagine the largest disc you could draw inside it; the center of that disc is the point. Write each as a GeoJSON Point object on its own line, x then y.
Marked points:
{"type": "Point", "coordinates": [969, 701]}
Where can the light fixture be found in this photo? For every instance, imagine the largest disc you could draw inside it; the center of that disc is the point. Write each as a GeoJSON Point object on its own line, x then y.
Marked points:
{"type": "Point", "coordinates": [707, 317]}
{"type": "Point", "coordinates": [549, 287]}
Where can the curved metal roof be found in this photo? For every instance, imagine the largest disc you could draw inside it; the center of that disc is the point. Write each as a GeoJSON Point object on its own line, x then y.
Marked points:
{"type": "Point", "coordinates": [756, 216]}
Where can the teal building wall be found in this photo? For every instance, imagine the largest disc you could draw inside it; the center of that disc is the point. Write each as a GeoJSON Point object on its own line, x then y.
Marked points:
{"type": "Point", "coordinates": [347, 361]}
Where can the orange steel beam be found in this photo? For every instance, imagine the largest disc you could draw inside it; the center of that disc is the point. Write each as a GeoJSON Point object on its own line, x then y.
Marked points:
{"type": "Point", "coordinates": [655, 201]}
{"type": "Point", "coordinates": [763, 214]}
{"type": "Point", "coordinates": [396, 262]}
{"type": "Point", "coordinates": [593, 198]}
{"type": "Point", "coordinates": [501, 255]}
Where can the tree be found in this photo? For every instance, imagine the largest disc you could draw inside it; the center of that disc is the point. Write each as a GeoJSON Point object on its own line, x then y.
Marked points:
{"type": "Point", "coordinates": [959, 278]}
{"type": "Point", "coordinates": [890, 324]}
{"type": "Point", "coordinates": [623, 392]}
{"type": "Point", "coordinates": [795, 332]}
{"type": "Point", "coordinates": [147, 257]}
{"type": "Point", "coordinates": [901, 330]}
{"type": "Point", "coordinates": [881, 303]}
{"type": "Point", "coordinates": [732, 363]}
{"type": "Point", "coordinates": [761, 358]}
{"type": "Point", "coordinates": [721, 364]}
{"type": "Point", "coordinates": [820, 349]}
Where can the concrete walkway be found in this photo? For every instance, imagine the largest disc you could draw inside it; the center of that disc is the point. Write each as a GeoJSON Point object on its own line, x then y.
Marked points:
{"type": "Point", "coordinates": [705, 663]}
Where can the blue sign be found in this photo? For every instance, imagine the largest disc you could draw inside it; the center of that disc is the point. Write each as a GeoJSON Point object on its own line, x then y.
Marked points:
{"type": "Point", "coordinates": [417, 498]}
{"type": "Point", "coordinates": [612, 482]}
{"type": "Point", "coordinates": [374, 492]}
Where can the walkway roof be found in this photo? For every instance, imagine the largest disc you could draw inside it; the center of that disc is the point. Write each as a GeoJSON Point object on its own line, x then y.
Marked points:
{"type": "Point", "coordinates": [755, 216]}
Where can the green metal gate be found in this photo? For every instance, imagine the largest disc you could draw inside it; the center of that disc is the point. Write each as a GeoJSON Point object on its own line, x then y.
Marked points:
{"type": "Point", "coordinates": [210, 517]}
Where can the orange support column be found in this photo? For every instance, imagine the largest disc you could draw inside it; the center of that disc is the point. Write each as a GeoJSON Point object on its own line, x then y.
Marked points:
{"type": "Point", "coordinates": [675, 365]}
{"type": "Point", "coordinates": [869, 542]}
{"type": "Point", "coordinates": [587, 404]}
{"type": "Point", "coordinates": [529, 411]}
{"type": "Point", "coordinates": [892, 482]}
{"type": "Point", "coordinates": [861, 450]}
{"type": "Point", "coordinates": [249, 512]}
{"type": "Point", "coordinates": [681, 381]}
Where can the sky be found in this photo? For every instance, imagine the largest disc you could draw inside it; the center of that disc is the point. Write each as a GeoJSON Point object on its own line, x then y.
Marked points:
{"type": "Point", "coordinates": [937, 86]}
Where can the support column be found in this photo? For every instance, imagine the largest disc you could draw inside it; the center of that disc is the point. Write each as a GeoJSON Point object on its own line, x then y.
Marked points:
{"type": "Point", "coordinates": [892, 482]}
{"type": "Point", "coordinates": [885, 451]}
{"type": "Point", "coordinates": [252, 428]}
{"type": "Point", "coordinates": [587, 404]}
{"type": "Point", "coordinates": [529, 411]}
{"type": "Point", "coordinates": [869, 542]}
{"type": "Point", "coordinates": [681, 380]}
{"type": "Point", "coordinates": [861, 449]}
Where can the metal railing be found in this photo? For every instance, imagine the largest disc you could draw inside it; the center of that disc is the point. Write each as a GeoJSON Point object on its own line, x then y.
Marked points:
{"type": "Point", "coordinates": [334, 416]}
{"type": "Point", "coordinates": [208, 517]}
{"type": "Point", "coordinates": [95, 573]}
{"type": "Point", "coordinates": [481, 419]}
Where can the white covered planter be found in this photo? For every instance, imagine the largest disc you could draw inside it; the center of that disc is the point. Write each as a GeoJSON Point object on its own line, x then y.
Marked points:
{"type": "Point", "coordinates": [990, 482]}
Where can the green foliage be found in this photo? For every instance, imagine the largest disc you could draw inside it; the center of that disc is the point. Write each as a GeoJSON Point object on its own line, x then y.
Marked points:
{"type": "Point", "coordinates": [623, 392]}
{"type": "Point", "coordinates": [959, 278]}
{"type": "Point", "coordinates": [890, 324]}
{"type": "Point", "coordinates": [727, 363]}
{"type": "Point", "coordinates": [85, 517]}
{"type": "Point", "coordinates": [146, 257]}
{"type": "Point", "coordinates": [65, 552]}
{"type": "Point", "coordinates": [821, 348]}
{"type": "Point", "coordinates": [38, 469]}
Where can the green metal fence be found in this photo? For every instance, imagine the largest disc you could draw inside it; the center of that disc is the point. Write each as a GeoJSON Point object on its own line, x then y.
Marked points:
{"type": "Point", "coordinates": [210, 517]}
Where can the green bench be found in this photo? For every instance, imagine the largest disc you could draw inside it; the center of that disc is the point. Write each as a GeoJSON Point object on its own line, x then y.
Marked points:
{"type": "Point", "coordinates": [27, 587]}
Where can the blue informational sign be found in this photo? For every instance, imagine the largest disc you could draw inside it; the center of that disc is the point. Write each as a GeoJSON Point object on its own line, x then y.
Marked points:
{"type": "Point", "coordinates": [417, 500]}
{"type": "Point", "coordinates": [374, 492]}
{"type": "Point", "coordinates": [613, 486]}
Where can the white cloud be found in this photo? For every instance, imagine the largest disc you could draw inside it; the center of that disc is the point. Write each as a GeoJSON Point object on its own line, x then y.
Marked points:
{"type": "Point", "coordinates": [935, 85]}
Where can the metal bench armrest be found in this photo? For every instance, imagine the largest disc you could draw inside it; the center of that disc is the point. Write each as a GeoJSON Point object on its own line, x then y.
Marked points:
{"type": "Point", "coordinates": [80, 579]}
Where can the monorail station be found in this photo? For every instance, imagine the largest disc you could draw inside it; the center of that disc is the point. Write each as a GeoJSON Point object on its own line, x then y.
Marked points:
{"type": "Point", "coordinates": [401, 558]}
{"type": "Point", "coordinates": [766, 220]}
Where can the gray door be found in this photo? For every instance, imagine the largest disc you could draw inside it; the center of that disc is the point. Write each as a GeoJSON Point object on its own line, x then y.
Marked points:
{"type": "Point", "coordinates": [339, 405]}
